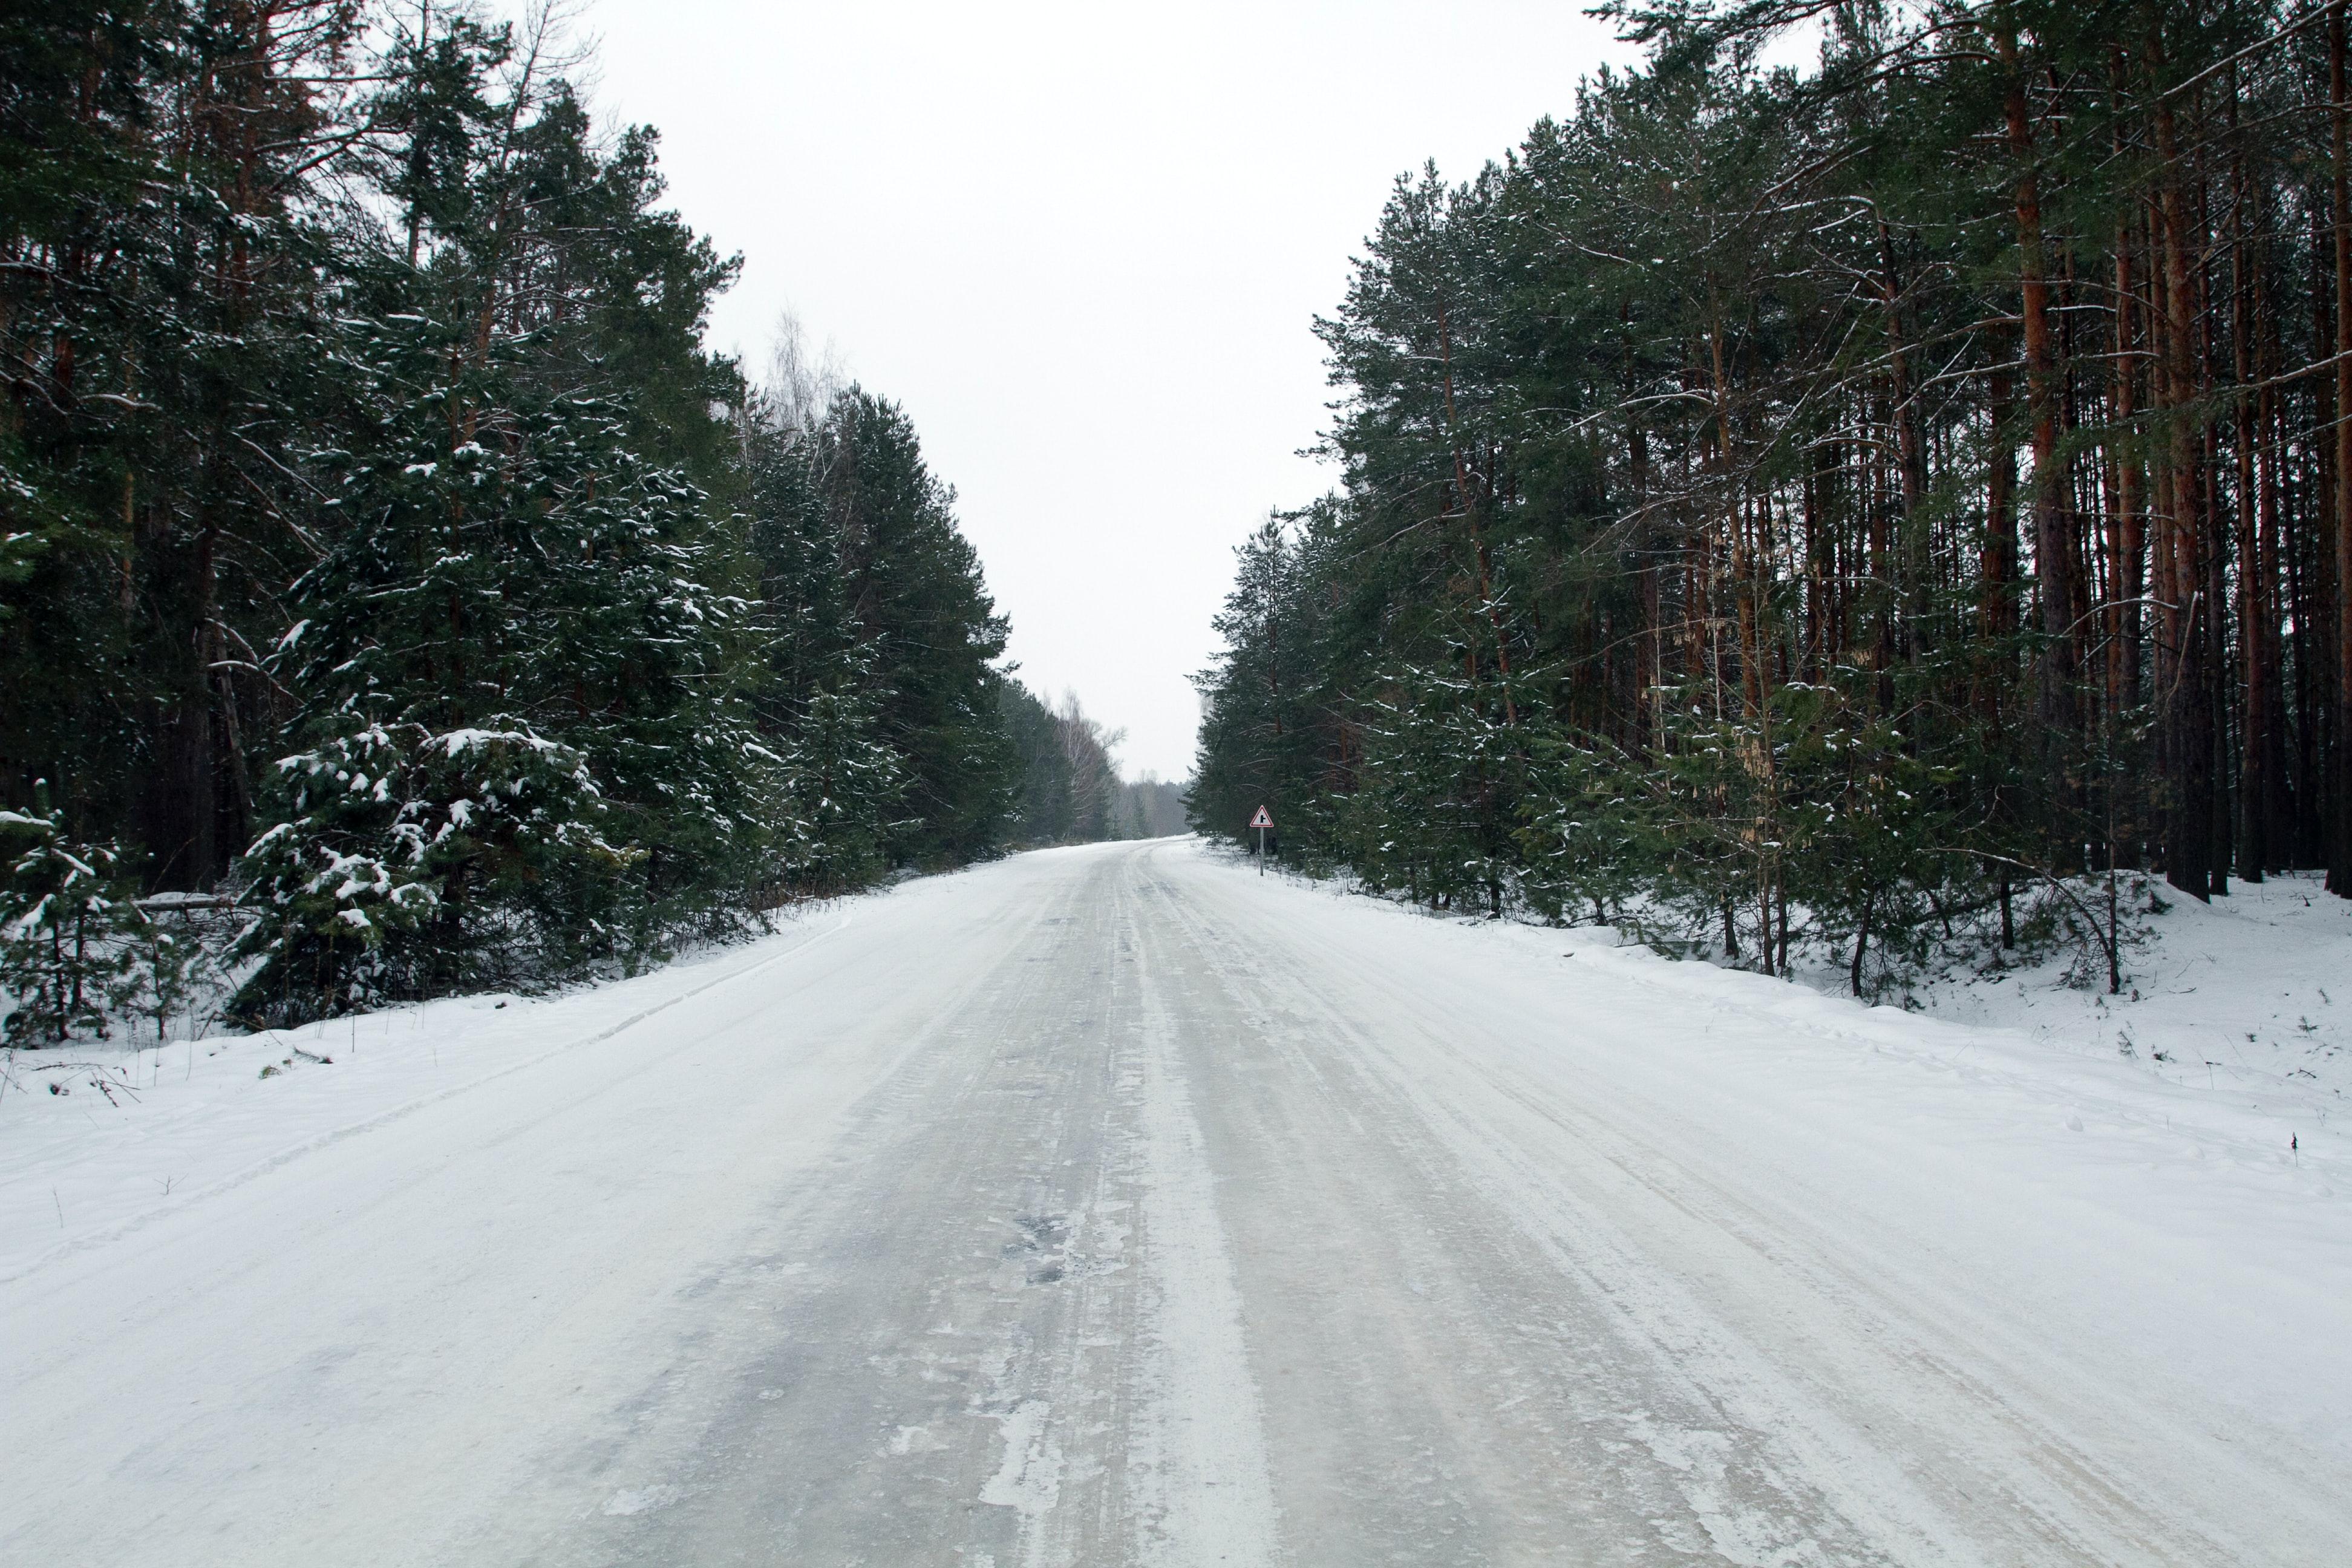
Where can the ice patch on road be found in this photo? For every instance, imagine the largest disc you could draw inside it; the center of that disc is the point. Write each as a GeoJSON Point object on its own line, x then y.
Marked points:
{"type": "Point", "coordinates": [620, 1505]}
{"type": "Point", "coordinates": [1029, 1482]}
{"type": "Point", "coordinates": [916, 1440]}
{"type": "Point", "coordinates": [1737, 1534]}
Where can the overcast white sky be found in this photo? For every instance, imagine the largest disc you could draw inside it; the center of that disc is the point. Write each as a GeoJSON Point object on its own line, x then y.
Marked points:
{"type": "Point", "coordinates": [1083, 246]}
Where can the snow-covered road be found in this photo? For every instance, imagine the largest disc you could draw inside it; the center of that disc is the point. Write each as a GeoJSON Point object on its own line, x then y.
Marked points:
{"type": "Point", "coordinates": [1115, 1205]}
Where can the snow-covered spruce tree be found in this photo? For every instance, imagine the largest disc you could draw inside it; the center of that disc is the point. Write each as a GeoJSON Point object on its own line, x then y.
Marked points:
{"type": "Point", "coordinates": [817, 699]}
{"type": "Point", "coordinates": [869, 594]}
{"type": "Point", "coordinates": [162, 268]}
{"type": "Point", "coordinates": [306, 292]}
{"type": "Point", "coordinates": [1808, 821]}
{"type": "Point", "coordinates": [1585, 831]}
{"type": "Point", "coordinates": [846, 786]}
{"type": "Point", "coordinates": [518, 753]}
{"type": "Point", "coordinates": [924, 631]}
{"type": "Point", "coordinates": [69, 930]}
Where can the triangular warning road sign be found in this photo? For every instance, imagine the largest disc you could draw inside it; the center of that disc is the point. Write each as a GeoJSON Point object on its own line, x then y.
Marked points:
{"type": "Point", "coordinates": [1263, 819]}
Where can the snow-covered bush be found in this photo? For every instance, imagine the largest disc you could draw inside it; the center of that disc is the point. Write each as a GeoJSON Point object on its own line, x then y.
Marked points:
{"type": "Point", "coordinates": [407, 861]}
{"type": "Point", "coordinates": [70, 930]}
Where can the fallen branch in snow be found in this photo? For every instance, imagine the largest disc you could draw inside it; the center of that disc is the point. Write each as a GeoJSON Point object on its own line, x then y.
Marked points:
{"type": "Point", "coordinates": [101, 1082]}
{"type": "Point", "coordinates": [104, 1077]}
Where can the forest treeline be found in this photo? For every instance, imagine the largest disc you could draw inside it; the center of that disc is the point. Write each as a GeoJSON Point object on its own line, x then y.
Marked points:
{"type": "Point", "coordinates": [1070, 790]}
{"type": "Point", "coordinates": [382, 553]}
{"type": "Point", "coordinates": [1861, 491]}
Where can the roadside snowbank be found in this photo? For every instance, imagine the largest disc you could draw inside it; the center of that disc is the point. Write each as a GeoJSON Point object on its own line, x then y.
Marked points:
{"type": "Point", "coordinates": [2247, 1000]}
{"type": "Point", "coordinates": [2251, 994]}
{"type": "Point", "coordinates": [96, 1139]}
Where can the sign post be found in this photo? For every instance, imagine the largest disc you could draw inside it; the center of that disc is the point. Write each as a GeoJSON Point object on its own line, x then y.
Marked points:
{"type": "Point", "coordinates": [1262, 821]}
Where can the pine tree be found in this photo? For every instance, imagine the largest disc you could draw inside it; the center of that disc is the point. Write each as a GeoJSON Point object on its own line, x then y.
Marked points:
{"type": "Point", "coordinates": [378, 537]}
{"type": "Point", "coordinates": [926, 631]}
{"type": "Point", "coordinates": [1842, 495]}
{"type": "Point", "coordinates": [517, 755]}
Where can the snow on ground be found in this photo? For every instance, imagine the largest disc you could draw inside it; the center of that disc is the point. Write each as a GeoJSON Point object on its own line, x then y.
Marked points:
{"type": "Point", "coordinates": [1135, 1208]}
{"type": "Point", "coordinates": [96, 1139]}
{"type": "Point", "coordinates": [2211, 1099]}
{"type": "Point", "coordinates": [2157, 1252]}
{"type": "Point", "coordinates": [2249, 996]}
{"type": "Point", "coordinates": [2243, 1006]}
{"type": "Point", "coordinates": [2233, 1036]}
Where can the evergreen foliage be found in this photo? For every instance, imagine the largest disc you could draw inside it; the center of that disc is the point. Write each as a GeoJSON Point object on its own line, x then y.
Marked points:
{"type": "Point", "coordinates": [922, 626]}
{"type": "Point", "coordinates": [68, 925]}
{"type": "Point", "coordinates": [1832, 498]}
{"type": "Point", "coordinates": [383, 545]}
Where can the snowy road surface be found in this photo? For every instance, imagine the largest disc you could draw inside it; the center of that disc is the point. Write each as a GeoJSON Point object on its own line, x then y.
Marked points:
{"type": "Point", "coordinates": [1115, 1205]}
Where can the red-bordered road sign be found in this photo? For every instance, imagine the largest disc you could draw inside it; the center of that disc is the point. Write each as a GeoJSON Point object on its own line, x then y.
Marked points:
{"type": "Point", "coordinates": [1263, 818]}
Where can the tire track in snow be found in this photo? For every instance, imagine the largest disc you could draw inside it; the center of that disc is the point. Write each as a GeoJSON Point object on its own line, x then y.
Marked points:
{"type": "Point", "coordinates": [1854, 1391]}
{"type": "Point", "coordinates": [1204, 1491]}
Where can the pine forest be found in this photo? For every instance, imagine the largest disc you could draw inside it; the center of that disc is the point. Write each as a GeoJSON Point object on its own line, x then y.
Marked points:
{"type": "Point", "coordinates": [1824, 504]}
{"type": "Point", "coordinates": [391, 578]}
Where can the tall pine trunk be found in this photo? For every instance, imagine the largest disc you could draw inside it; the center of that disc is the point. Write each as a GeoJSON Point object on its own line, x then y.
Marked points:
{"type": "Point", "coordinates": [2339, 847]}
{"type": "Point", "coordinates": [2052, 544]}
{"type": "Point", "coordinates": [2183, 705]}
